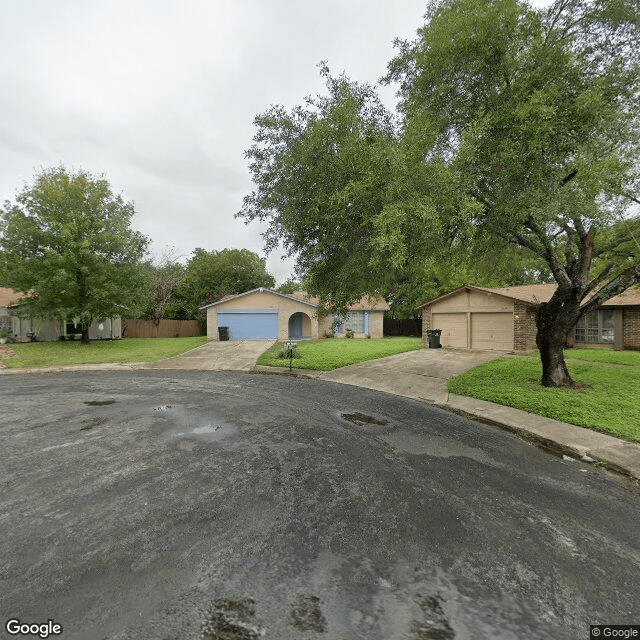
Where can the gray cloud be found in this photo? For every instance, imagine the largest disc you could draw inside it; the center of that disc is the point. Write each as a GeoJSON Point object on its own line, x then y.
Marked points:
{"type": "Point", "coordinates": [160, 97]}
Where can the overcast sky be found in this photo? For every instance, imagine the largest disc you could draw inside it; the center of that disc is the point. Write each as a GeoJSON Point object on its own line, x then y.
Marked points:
{"type": "Point", "coordinates": [160, 96]}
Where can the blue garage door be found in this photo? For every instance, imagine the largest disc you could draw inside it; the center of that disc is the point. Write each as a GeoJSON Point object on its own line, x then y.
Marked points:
{"type": "Point", "coordinates": [250, 324]}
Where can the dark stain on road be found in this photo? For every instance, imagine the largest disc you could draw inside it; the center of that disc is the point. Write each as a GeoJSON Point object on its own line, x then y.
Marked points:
{"type": "Point", "coordinates": [231, 620]}
{"type": "Point", "coordinates": [92, 422]}
{"type": "Point", "coordinates": [362, 419]}
{"type": "Point", "coordinates": [434, 625]}
{"type": "Point", "coordinates": [98, 403]}
{"type": "Point", "coordinates": [306, 614]}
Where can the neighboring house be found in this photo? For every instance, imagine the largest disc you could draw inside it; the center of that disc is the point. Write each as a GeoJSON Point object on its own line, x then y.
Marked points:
{"type": "Point", "coordinates": [264, 314]}
{"type": "Point", "coordinates": [503, 319]}
{"type": "Point", "coordinates": [8, 297]}
{"type": "Point", "coordinates": [24, 329]}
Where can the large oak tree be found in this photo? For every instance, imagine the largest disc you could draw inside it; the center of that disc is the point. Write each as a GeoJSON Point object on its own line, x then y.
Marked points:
{"type": "Point", "coordinates": [533, 115]}
{"type": "Point", "coordinates": [518, 132]}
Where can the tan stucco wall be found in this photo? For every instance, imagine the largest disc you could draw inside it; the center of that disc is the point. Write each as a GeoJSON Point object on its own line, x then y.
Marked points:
{"type": "Point", "coordinates": [472, 301]}
{"type": "Point", "coordinates": [376, 319]}
{"type": "Point", "coordinates": [313, 326]}
{"type": "Point", "coordinates": [376, 323]}
{"type": "Point", "coordinates": [455, 315]}
{"type": "Point", "coordinates": [266, 300]}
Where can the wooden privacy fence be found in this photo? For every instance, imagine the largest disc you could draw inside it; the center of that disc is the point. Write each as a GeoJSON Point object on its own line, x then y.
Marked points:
{"type": "Point", "coordinates": [160, 329]}
{"type": "Point", "coordinates": [395, 327]}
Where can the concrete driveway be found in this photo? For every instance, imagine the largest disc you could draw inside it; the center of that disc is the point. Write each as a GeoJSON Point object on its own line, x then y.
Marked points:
{"type": "Point", "coordinates": [421, 375]}
{"type": "Point", "coordinates": [232, 355]}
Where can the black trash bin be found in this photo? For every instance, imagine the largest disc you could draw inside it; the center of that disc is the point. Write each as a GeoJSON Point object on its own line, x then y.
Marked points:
{"type": "Point", "coordinates": [433, 335]}
{"type": "Point", "coordinates": [223, 333]}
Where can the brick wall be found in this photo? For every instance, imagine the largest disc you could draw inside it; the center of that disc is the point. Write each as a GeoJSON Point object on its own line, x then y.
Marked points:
{"type": "Point", "coordinates": [426, 325]}
{"type": "Point", "coordinates": [631, 328]}
{"type": "Point", "coordinates": [524, 326]}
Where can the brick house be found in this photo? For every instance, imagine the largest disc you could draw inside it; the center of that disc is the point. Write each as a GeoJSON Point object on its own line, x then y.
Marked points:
{"type": "Point", "coordinates": [264, 314]}
{"type": "Point", "coordinates": [503, 319]}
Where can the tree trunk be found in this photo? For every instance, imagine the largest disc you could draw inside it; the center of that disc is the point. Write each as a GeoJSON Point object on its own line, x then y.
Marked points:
{"type": "Point", "coordinates": [554, 321]}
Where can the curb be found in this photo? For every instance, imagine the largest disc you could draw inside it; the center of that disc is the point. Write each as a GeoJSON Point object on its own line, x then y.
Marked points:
{"type": "Point", "coordinates": [601, 453]}
{"type": "Point", "coordinates": [592, 455]}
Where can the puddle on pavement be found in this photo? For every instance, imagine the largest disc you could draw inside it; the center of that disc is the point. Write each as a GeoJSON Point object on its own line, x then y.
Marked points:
{"type": "Point", "coordinates": [362, 419]}
{"type": "Point", "coordinates": [208, 428]}
{"type": "Point", "coordinates": [365, 421]}
{"type": "Point", "coordinates": [98, 403]}
{"type": "Point", "coordinates": [185, 423]}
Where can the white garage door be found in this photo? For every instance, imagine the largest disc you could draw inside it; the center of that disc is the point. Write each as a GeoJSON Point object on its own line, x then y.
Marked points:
{"type": "Point", "coordinates": [492, 331]}
{"type": "Point", "coordinates": [454, 329]}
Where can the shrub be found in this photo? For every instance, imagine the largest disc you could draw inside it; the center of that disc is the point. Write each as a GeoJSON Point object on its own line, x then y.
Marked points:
{"type": "Point", "coordinates": [348, 333]}
{"type": "Point", "coordinates": [283, 354]}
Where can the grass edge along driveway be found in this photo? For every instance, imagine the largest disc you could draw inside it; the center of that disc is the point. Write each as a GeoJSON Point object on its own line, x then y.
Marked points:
{"type": "Point", "coordinates": [327, 354]}
{"type": "Point", "coordinates": [50, 354]}
{"type": "Point", "coordinates": [609, 404]}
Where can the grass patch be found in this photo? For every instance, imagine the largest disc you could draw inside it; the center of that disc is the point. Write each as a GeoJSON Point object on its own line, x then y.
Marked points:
{"type": "Point", "coordinates": [608, 356]}
{"type": "Point", "coordinates": [48, 354]}
{"type": "Point", "coordinates": [332, 353]}
{"type": "Point", "coordinates": [609, 404]}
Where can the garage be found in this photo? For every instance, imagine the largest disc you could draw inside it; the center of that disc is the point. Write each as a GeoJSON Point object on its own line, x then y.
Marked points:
{"type": "Point", "coordinates": [472, 318]}
{"type": "Point", "coordinates": [249, 324]}
{"type": "Point", "coordinates": [454, 329]}
{"type": "Point", "coordinates": [492, 331]}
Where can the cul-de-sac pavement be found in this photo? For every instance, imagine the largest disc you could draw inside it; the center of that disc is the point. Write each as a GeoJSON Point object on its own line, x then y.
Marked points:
{"type": "Point", "coordinates": [180, 504]}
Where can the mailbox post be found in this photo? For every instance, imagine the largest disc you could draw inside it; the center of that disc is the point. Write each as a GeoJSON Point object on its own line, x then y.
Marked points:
{"type": "Point", "coordinates": [291, 347]}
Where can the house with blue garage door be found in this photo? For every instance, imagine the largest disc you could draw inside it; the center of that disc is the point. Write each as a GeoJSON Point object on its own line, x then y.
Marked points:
{"type": "Point", "coordinates": [264, 314]}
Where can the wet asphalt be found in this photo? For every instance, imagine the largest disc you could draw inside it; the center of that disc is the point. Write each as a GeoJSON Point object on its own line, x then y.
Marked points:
{"type": "Point", "coordinates": [184, 505]}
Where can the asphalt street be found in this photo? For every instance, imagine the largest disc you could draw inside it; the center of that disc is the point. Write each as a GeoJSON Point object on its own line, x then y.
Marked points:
{"type": "Point", "coordinates": [184, 505]}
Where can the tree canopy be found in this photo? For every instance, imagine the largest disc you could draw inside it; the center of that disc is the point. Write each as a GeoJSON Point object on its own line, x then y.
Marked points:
{"type": "Point", "coordinates": [514, 157]}
{"type": "Point", "coordinates": [533, 116]}
{"type": "Point", "coordinates": [342, 193]}
{"type": "Point", "coordinates": [209, 276]}
{"type": "Point", "coordinates": [67, 241]}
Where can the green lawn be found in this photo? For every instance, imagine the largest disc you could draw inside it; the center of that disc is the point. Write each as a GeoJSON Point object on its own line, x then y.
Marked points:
{"type": "Point", "coordinates": [610, 404]}
{"type": "Point", "coordinates": [332, 353]}
{"type": "Point", "coordinates": [46, 354]}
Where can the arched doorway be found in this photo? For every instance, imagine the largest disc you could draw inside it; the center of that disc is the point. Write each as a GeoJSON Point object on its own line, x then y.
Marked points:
{"type": "Point", "coordinates": [299, 326]}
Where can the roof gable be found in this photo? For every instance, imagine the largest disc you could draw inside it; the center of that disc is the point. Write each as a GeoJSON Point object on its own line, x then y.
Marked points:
{"type": "Point", "coordinates": [259, 290]}
{"type": "Point", "coordinates": [9, 297]}
{"type": "Point", "coordinates": [538, 293]}
{"type": "Point", "coordinates": [365, 303]}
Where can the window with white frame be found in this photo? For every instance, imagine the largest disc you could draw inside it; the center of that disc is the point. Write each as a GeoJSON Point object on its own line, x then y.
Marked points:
{"type": "Point", "coordinates": [354, 321]}
{"type": "Point", "coordinates": [596, 327]}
